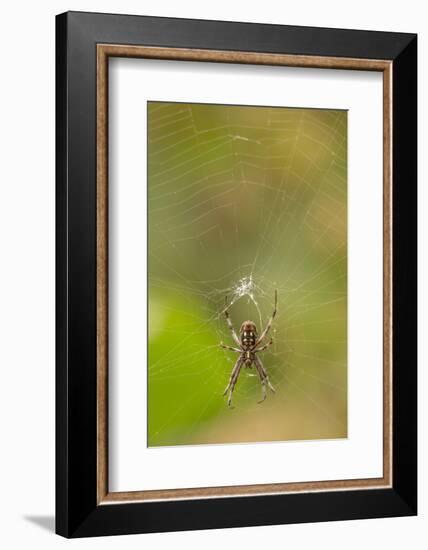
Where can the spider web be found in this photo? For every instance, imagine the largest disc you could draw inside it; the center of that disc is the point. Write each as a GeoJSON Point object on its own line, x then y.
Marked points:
{"type": "Point", "coordinates": [244, 201]}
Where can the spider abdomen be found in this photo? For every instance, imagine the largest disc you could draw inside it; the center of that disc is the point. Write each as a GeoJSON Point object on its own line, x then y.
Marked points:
{"type": "Point", "coordinates": [248, 334]}
{"type": "Point", "coordinates": [248, 339]}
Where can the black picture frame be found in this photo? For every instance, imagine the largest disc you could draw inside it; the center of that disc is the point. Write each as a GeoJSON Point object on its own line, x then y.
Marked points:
{"type": "Point", "coordinates": [77, 511]}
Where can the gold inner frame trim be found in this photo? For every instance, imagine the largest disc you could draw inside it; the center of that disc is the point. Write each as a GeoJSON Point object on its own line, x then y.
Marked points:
{"type": "Point", "coordinates": [104, 51]}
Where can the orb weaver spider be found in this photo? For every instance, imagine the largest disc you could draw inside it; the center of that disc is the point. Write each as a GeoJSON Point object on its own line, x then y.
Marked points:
{"type": "Point", "coordinates": [248, 343]}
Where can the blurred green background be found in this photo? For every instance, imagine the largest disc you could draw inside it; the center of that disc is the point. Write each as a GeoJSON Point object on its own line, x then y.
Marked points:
{"type": "Point", "coordinates": [242, 201]}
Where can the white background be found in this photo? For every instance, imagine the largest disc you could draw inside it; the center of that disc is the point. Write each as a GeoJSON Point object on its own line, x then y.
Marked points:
{"type": "Point", "coordinates": [132, 465]}
{"type": "Point", "coordinates": [27, 275]}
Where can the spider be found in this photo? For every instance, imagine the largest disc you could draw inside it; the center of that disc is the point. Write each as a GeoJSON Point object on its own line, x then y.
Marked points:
{"type": "Point", "coordinates": [248, 343]}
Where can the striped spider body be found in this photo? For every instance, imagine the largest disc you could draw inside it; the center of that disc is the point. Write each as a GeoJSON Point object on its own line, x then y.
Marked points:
{"type": "Point", "coordinates": [248, 344]}
{"type": "Point", "coordinates": [248, 337]}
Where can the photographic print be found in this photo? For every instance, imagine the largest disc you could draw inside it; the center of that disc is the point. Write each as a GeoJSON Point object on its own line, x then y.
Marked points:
{"type": "Point", "coordinates": [247, 274]}
{"type": "Point", "coordinates": [236, 274]}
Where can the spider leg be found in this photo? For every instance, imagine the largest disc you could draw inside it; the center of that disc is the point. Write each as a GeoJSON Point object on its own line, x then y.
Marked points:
{"type": "Point", "coordinates": [265, 346]}
{"type": "Point", "coordinates": [229, 322]}
{"type": "Point", "coordinates": [269, 324]}
{"type": "Point", "coordinates": [230, 348]}
{"type": "Point", "coordinates": [233, 379]}
{"type": "Point", "coordinates": [263, 377]}
{"type": "Point", "coordinates": [263, 383]}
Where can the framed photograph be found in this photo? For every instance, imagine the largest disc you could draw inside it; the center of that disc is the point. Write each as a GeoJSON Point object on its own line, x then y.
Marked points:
{"type": "Point", "coordinates": [236, 274]}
